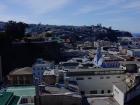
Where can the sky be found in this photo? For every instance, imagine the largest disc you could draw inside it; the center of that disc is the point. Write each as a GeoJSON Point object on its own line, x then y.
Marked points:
{"type": "Point", "coordinates": [119, 14]}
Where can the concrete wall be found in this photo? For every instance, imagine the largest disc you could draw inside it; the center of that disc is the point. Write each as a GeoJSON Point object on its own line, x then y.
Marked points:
{"type": "Point", "coordinates": [118, 95]}
{"type": "Point", "coordinates": [59, 100]}
{"type": "Point", "coordinates": [97, 82]}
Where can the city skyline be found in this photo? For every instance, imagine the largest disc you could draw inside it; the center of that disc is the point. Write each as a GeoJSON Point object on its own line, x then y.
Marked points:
{"type": "Point", "coordinates": [120, 14]}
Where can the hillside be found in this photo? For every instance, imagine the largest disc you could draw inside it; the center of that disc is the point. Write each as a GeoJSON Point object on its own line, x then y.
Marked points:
{"type": "Point", "coordinates": [76, 33]}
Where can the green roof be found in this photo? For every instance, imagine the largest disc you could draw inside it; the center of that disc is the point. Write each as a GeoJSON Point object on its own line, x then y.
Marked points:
{"type": "Point", "coordinates": [22, 90]}
{"type": "Point", "coordinates": [5, 98]}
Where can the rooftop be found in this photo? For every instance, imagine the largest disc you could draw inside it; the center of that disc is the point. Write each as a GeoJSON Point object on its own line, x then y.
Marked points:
{"type": "Point", "coordinates": [122, 86]}
{"type": "Point", "coordinates": [22, 90]}
{"type": "Point", "coordinates": [55, 90]}
{"type": "Point", "coordinates": [49, 72]}
{"type": "Point", "coordinates": [5, 98]}
{"type": "Point", "coordinates": [102, 101]}
{"type": "Point", "coordinates": [22, 71]}
{"type": "Point", "coordinates": [95, 69]}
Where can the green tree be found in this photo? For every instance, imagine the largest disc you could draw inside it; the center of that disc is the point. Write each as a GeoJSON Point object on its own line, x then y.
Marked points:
{"type": "Point", "coordinates": [15, 30]}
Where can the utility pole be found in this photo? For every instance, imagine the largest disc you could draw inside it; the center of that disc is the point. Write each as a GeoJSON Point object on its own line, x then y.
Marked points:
{"type": "Point", "coordinates": [0, 69]}
{"type": "Point", "coordinates": [37, 98]}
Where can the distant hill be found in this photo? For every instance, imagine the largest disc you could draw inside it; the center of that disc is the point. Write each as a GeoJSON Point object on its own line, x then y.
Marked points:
{"type": "Point", "coordinates": [136, 34]}
{"type": "Point", "coordinates": [76, 33]}
{"type": "Point", "coordinates": [93, 32]}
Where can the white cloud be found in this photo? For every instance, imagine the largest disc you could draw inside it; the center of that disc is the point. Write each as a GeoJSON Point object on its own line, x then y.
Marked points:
{"type": "Point", "coordinates": [7, 17]}
{"type": "Point", "coordinates": [43, 6]}
{"type": "Point", "coordinates": [98, 5]}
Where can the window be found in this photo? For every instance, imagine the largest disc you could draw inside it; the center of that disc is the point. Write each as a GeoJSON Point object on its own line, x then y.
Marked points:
{"type": "Point", "coordinates": [101, 77]}
{"type": "Point", "coordinates": [102, 91]}
{"type": "Point", "coordinates": [93, 92]}
{"type": "Point", "coordinates": [79, 78]}
{"type": "Point", "coordinates": [108, 91]}
{"type": "Point", "coordinates": [107, 77]}
{"type": "Point", "coordinates": [89, 78]}
{"type": "Point", "coordinates": [39, 68]}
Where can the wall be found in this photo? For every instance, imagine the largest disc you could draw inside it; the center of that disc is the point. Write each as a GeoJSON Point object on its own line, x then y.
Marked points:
{"type": "Point", "coordinates": [20, 79]}
{"type": "Point", "coordinates": [97, 82]}
{"type": "Point", "coordinates": [59, 100]}
{"type": "Point", "coordinates": [50, 79]}
{"type": "Point", "coordinates": [118, 95]}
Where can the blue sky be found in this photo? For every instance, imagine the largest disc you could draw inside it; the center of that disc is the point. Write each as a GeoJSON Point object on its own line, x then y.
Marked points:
{"type": "Point", "coordinates": [120, 14]}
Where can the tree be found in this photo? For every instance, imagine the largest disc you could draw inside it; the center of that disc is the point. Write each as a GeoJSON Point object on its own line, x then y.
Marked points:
{"type": "Point", "coordinates": [15, 30]}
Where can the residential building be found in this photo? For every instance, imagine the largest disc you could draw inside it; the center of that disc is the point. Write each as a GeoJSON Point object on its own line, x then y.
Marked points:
{"type": "Point", "coordinates": [133, 52]}
{"type": "Point", "coordinates": [96, 80]}
{"type": "Point", "coordinates": [125, 95]}
{"type": "Point", "coordinates": [38, 69]}
{"type": "Point", "coordinates": [49, 77]}
{"type": "Point", "coordinates": [22, 76]}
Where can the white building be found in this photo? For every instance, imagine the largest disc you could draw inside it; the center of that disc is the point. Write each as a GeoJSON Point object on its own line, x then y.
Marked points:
{"type": "Point", "coordinates": [123, 94]}
{"type": "Point", "coordinates": [96, 80]}
{"type": "Point", "coordinates": [119, 90]}
{"type": "Point", "coordinates": [38, 69]}
{"type": "Point", "coordinates": [133, 52]}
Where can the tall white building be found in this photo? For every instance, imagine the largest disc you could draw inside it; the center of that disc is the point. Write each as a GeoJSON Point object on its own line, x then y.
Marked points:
{"type": "Point", "coordinates": [38, 69]}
